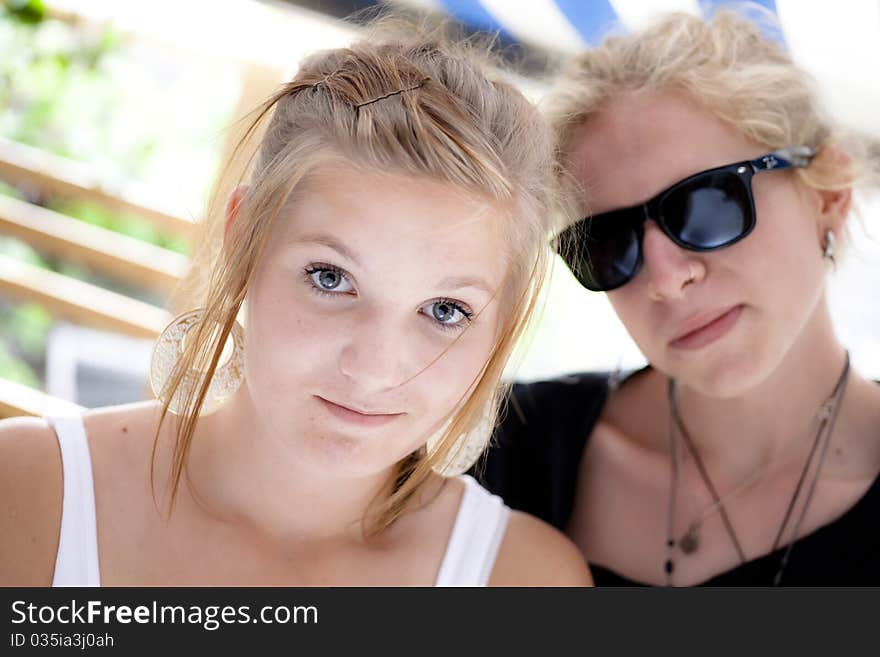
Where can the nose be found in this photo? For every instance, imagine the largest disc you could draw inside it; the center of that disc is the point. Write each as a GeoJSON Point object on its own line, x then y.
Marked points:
{"type": "Point", "coordinates": [374, 355]}
{"type": "Point", "coordinates": [669, 268]}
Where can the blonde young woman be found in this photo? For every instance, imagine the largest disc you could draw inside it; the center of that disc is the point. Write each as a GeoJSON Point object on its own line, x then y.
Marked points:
{"type": "Point", "coordinates": [385, 254]}
{"type": "Point", "coordinates": [715, 194]}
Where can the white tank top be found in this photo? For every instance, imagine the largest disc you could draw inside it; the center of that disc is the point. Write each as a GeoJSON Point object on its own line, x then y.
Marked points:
{"type": "Point", "coordinates": [468, 561]}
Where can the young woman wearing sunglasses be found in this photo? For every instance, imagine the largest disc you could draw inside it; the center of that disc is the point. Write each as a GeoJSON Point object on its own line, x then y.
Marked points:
{"type": "Point", "coordinates": [715, 196]}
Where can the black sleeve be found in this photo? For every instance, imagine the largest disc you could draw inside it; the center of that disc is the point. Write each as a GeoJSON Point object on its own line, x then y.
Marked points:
{"type": "Point", "coordinates": [533, 461]}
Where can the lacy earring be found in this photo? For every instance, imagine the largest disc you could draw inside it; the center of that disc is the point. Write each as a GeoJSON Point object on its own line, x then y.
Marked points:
{"type": "Point", "coordinates": [468, 446]}
{"type": "Point", "coordinates": [167, 351]}
{"type": "Point", "coordinates": [828, 251]}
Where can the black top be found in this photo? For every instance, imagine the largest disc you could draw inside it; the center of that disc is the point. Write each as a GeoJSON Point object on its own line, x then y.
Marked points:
{"type": "Point", "coordinates": [534, 462]}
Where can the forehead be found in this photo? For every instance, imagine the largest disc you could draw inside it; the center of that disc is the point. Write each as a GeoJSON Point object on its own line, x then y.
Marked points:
{"type": "Point", "coordinates": [397, 218]}
{"type": "Point", "coordinates": [639, 144]}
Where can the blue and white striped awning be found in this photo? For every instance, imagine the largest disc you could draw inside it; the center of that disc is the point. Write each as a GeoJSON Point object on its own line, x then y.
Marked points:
{"type": "Point", "coordinates": [571, 25]}
{"type": "Point", "coordinates": [838, 42]}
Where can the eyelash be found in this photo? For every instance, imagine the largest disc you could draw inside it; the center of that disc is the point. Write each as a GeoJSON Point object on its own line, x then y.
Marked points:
{"type": "Point", "coordinates": [314, 268]}
{"type": "Point", "coordinates": [466, 313]}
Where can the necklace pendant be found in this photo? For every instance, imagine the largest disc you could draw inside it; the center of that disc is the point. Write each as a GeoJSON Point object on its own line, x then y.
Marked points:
{"type": "Point", "coordinates": [690, 542]}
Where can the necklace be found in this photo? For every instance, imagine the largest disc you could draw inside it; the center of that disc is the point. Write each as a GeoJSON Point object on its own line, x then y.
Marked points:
{"type": "Point", "coordinates": [689, 542]}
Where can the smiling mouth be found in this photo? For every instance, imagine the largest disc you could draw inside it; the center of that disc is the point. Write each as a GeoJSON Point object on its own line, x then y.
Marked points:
{"type": "Point", "coordinates": [354, 416]}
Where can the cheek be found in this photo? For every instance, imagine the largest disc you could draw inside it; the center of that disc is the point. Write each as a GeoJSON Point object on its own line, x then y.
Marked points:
{"type": "Point", "coordinates": [786, 256]}
{"type": "Point", "coordinates": [632, 308]}
{"type": "Point", "coordinates": [785, 214]}
{"type": "Point", "coordinates": [451, 376]}
{"type": "Point", "coordinates": [283, 335]}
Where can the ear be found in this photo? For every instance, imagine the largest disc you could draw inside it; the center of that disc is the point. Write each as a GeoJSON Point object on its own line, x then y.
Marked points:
{"type": "Point", "coordinates": [834, 204]}
{"type": "Point", "coordinates": [232, 206]}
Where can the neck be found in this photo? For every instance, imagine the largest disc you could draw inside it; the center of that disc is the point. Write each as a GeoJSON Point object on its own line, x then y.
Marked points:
{"type": "Point", "coordinates": [750, 428]}
{"type": "Point", "coordinates": [245, 475]}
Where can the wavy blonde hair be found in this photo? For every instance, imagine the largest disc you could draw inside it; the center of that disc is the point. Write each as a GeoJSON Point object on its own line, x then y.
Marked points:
{"type": "Point", "coordinates": [729, 67]}
{"type": "Point", "coordinates": [419, 105]}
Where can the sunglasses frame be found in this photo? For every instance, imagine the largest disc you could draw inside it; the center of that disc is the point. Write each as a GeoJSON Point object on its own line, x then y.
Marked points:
{"type": "Point", "coordinates": [784, 158]}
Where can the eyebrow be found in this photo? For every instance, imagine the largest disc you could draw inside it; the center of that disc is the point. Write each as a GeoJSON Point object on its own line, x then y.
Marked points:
{"type": "Point", "coordinates": [456, 282]}
{"type": "Point", "coordinates": [452, 282]}
{"type": "Point", "coordinates": [331, 242]}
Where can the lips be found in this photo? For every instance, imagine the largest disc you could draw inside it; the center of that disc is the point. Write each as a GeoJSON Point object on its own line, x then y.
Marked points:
{"type": "Point", "coordinates": [705, 328]}
{"type": "Point", "coordinates": [353, 415]}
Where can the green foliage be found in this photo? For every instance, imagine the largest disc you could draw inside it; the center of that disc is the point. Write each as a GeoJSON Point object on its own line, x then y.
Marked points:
{"type": "Point", "coordinates": [24, 329]}
{"type": "Point", "coordinates": [25, 11]}
{"type": "Point", "coordinates": [52, 78]}
{"type": "Point", "coordinates": [9, 246]}
{"type": "Point", "coordinates": [129, 225]}
{"type": "Point", "coordinates": [51, 81]}
{"type": "Point", "coordinates": [28, 326]}
{"type": "Point", "coordinates": [8, 190]}
{"type": "Point", "coordinates": [84, 92]}
{"type": "Point", "coordinates": [16, 369]}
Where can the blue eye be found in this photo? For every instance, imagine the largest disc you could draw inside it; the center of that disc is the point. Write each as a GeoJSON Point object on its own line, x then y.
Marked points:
{"type": "Point", "coordinates": [447, 313]}
{"type": "Point", "coordinates": [328, 279]}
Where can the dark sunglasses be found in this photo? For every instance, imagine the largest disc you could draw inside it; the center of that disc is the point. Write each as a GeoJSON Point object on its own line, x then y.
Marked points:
{"type": "Point", "coordinates": [706, 211]}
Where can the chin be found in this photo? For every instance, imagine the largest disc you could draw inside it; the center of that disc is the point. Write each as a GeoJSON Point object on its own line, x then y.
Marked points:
{"type": "Point", "coordinates": [336, 457]}
{"type": "Point", "coordinates": [725, 384]}
{"type": "Point", "coordinates": [349, 455]}
{"type": "Point", "coordinates": [722, 375]}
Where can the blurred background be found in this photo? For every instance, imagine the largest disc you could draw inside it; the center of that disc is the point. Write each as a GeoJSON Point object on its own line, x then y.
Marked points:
{"type": "Point", "coordinates": [115, 117]}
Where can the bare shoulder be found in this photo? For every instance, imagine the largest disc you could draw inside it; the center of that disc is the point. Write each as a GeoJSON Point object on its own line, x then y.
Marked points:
{"type": "Point", "coordinates": [121, 444]}
{"type": "Point", "coordinates": [122, 432]}
{"type": "Point", "coordinates": [644, 392]}
{"type": "Point", "coordinates": [533, 553]}
{"type": "Point", "coordinates": [31, 492]}
{"type": "Point", "coordinates": [32, 482]}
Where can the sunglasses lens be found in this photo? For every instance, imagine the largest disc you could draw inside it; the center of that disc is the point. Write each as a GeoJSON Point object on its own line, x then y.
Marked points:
{"type": "Point", "coordinates": [603, 251]}
{"type": "Point", "coordinates": [708, 212]}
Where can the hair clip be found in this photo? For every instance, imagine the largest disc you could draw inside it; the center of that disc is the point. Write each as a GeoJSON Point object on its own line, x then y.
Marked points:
{"type": "Point", "coordinates": [392, 93]}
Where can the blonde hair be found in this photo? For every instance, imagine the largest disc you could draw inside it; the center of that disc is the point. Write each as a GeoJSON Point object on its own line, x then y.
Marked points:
{"type": "Point", "coordinates": [418, 105]}
{"type": "Point", "coordinates": [728, 66]}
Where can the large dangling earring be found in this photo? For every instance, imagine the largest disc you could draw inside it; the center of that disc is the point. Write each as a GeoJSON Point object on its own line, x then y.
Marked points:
{"type": "Point", "coordinates": [468, 446]}
{"type": "Point", "coordinates": [828, 251]}
{"type": "Point", "coordinates": [166, 353]}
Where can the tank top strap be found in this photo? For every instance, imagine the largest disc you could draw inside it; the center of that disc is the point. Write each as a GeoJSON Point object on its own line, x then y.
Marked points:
{"type": "Point", "coordinates": [476, 537]}
{"type": "Point", "coordinates": [76, 563]}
